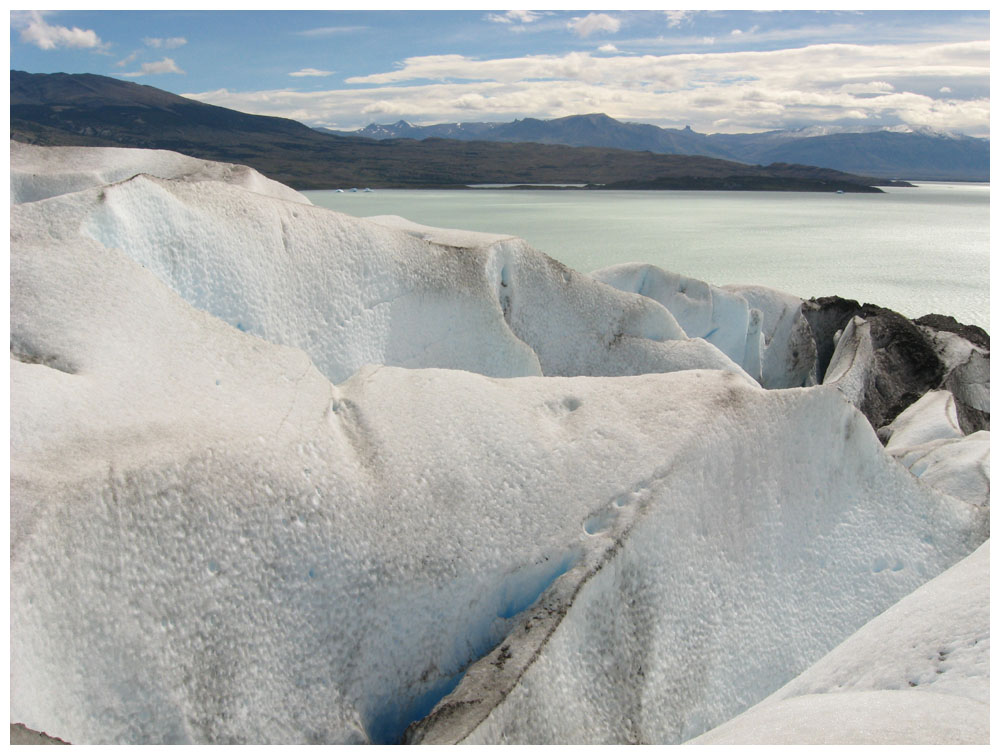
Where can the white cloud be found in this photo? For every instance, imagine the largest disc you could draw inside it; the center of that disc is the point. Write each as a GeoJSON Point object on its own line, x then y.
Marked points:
{"type": "Point", "coordinates": [607, 48]}
{"type": "Point", "coordinates": [35, 30]}
{"type": "Point", "coordinates": [734, 91]}
{"type": "Point", "coordinates": [167, 65]}
{"type": "Point", "coordinates": [311, 72]}
{"type": "Point", "coordinates": [945, 90]}
{"type": "Point", "coordinates": [677, 17]}
{"type": "Point", "coordinates": [594, 23]}
{"type": "Point", "coordinates": [168, 43]}
{"type": "Point", "coordinates": [735, 32]}
{"type": "Point", "coordinates": [514, 16]}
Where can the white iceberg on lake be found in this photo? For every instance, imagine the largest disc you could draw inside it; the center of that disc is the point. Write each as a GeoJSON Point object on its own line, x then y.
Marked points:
{"type": "Point", "coordinates": [441, 485]}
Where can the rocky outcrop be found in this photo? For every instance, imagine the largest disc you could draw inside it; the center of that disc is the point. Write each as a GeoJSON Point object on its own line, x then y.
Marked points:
{"type": "Point", "coordinates": [893, 361]}
{"type": "Point", "coordinates": [971, 333]}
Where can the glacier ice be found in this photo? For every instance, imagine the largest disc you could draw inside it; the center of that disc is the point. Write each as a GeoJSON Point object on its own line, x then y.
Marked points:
{"type": "Point", "coordinates": [756, 569]}
{"type": "Point", "coordinates": [349, 292]}
{"type": "Point", "coordinates": [788, 355]}
{"type": "Point", "coordinates": [917, 674]}
{"type": "Point", "coordinates": [762, 330]}
{"type": "Point", "coordinates": [926, 439]}
{"type": "Point", "coordinates": [234, 521]}
{"type": "Point", "coordinates": [931, 417]}
{"type": "Point", "coordinates": [703, 311]}
{"type": "Point", "coordinates": [42, 172]}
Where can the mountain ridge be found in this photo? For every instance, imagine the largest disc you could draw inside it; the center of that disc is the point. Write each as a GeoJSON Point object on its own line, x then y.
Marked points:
{"type": "Point", "coordinates": [92, 110]}
{"type": "Point", "coordinates": [915, 154]}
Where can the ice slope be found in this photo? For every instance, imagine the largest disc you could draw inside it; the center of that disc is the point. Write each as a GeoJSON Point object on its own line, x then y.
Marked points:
{"type": "Point", "coordinates": [43, 172]}
{"type": "Point", "coordinates": [927, 440]}
{"type": "Point", "coordinates": [349, 292]}
{"type": "Point", "coordinates": [702, 310]}
{"type": "Point", "coordinates": [917, 674]}
{"type": "Point", "coordinates": [762, 330]}
{"type": "Point", "coordinates": [931, 417]}
{"type": "Point", "coordinates": [788, 357]}
{"type": "Point", "coordinates": [211, 542]}
{"type": "Point", "coordinates": [742, 571]}
{"type": "Point", "coordinates": [326, 578]}
{"type": "Point", "coordinates": [278, 559]}
{"type": "Point", "coordinates": [456, 237]}
{"type": "Point", "coordinates": [852, 366]}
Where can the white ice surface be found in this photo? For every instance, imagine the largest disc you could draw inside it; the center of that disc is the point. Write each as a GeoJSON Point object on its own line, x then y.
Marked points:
{"type": "Point", "coordinates": [883, 717]}
{"type": "Point", "coordinates": [789, 352]}
{"type": "Point", "coordinates": [444, 236]}
{"type": "Point", "coordinates": [43, 172]}
{"type": "Point", "coordinates": [211, 542]}
{"type": "Point", "coordinates": [760, 329]}
{"type": "Point", "coordinates": [703, 311]}
{"type": "Point", "coordinates": [743, 573]}
{"type": "Point", "coordinates": [917, 674]}
{"type": "Point", "coordinates": [926, 439]}
{"type": "Point", "coordinates": [959, 467]}
{"type": "Point", "coordinates": [349, 292]}
{"type": "Point", "coordinates": [852, 360]}
{"type": "Point", "coordinates": [931, 417]}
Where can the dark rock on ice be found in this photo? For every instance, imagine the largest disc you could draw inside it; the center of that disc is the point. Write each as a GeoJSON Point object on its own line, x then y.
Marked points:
{"type": "Point", "coordinates": [971, 333]}
{"type": "Point", "coordinates": [909, 358]}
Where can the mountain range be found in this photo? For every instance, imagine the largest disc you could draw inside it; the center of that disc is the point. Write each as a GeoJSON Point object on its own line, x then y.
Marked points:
{"type": "Point", "coordinates": [91, 110]}
{"type": "Point", "coordinates": [888, 153]}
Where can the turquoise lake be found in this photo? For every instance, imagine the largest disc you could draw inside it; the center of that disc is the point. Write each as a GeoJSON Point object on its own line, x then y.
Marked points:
{"type": "Point", "coordinates": [917, 251]}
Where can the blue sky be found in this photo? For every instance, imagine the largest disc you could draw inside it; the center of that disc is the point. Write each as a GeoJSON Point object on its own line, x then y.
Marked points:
{"type": "Point", "coordinates": [717, 71]}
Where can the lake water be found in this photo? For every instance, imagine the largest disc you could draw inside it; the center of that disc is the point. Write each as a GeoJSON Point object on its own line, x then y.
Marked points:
{"type": "Point", "coordinates": [915, 250]}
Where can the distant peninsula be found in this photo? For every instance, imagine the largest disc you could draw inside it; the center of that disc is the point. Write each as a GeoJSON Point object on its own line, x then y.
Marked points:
{"type": "Point", "coordinates": [90, 110]}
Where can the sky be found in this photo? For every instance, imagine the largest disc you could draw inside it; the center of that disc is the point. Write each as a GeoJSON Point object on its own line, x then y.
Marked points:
{"type": "Point", "coordinates": [716, 71]}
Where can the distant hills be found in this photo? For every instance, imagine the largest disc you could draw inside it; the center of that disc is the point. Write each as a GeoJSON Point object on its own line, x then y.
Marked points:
{"type": "Point", "coordinates": [86, 109]}
{"type": "Point", "coordinates": [893, 153]}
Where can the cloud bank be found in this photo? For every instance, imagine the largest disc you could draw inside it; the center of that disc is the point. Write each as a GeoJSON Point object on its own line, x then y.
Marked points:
{"type": "Point", "coordinates": [873, 85]}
